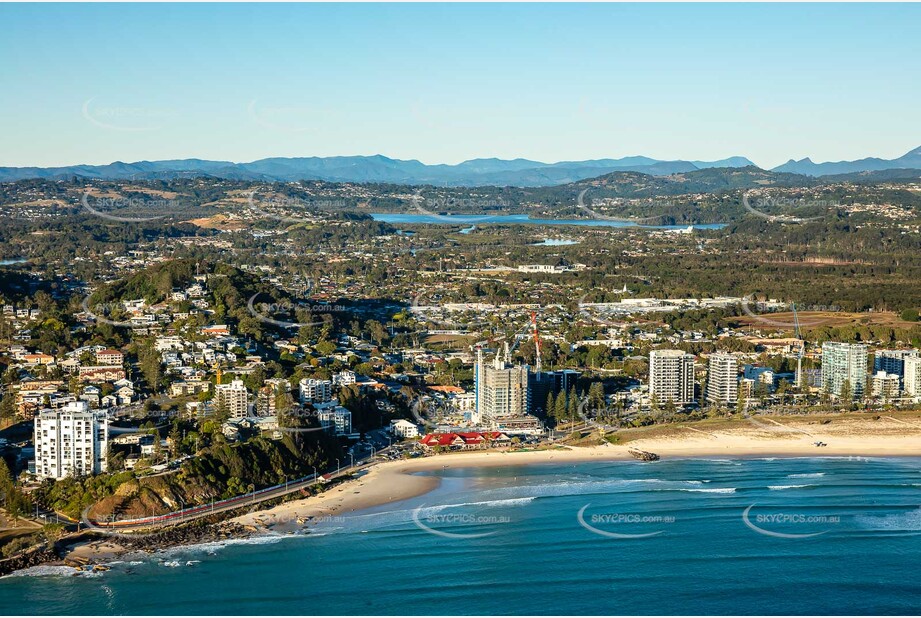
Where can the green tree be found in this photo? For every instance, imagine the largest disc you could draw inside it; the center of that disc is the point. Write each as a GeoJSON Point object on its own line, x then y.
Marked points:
{"type": "Point", "coordinates": [847, 392]}
{"type": "Point", "coordinates": [559, 407]}
{"type": "Point", "coordinates": [175, 440]}
{"type": "Point", "coordinates": [572, 406]}
{"type": "Point", "coordinates": [325, 347]}
{"type": "Point", "coordinates": [548, 406]}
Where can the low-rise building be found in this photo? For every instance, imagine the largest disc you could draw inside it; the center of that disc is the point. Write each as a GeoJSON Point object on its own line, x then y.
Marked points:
{"type": "Point", "coordinates": [884, 385]}
{"type": "Point", "coordinates": [401, 428]}
{"type": "Point", "coordinates": [110, 358]}
{"type": "Point", "coordinates": [334, 417]}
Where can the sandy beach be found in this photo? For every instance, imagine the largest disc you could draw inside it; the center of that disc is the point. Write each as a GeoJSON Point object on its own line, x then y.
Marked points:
{"type": "Point", "coordinates": [394, 481]}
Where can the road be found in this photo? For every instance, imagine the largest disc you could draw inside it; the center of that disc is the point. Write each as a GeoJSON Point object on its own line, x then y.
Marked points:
{"type": "Point", "coordinates": [222, 506]}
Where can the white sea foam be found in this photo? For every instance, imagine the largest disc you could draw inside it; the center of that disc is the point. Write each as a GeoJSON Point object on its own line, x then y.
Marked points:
{"type": "Point", "coordinates": [780, 487]}
{"type": "Point", "coordinates": [213, 547]}
{"type": "Point", "coordinates": [908, 521]}
{"type": "Point", "coordinates": [45, 571]}
{"type": "Point", "coordinates": [806, 475]}
{"type": "Point", "coordinates": [711, 490]}
{"type": "Point", "coordinates": [488, 503]}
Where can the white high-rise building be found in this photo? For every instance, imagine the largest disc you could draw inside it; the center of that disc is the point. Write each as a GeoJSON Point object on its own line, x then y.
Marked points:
{"type": "Point", "coordinates": [234, 396]}
{"type": "Point", "coordinates": [912, 377]}
{"type": "Point", "coordinates": [333, 416]}
{"type": "Point", "coordinates": [501, 390]}
{"type": "Point", "coordinates": [844, 362]}
{"type": "Point", "coordinates": [723, 378]}
{"type": "Point", "coordinates": [71, 441]}
{"type": "Point", "coordinates": [316, 391]}
{"type": "Point", "coordinates": [893, 361]}
{"type": "Point", "coordinates": [671, 376]}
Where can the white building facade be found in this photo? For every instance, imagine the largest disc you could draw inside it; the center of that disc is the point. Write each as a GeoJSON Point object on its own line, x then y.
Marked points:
{"type": "Point", "coordinates": [844, 363]}
{"type": "Point", "coordinates": [723, 378]}
{"type": "Point", "coordinates": [912, 377]}
{"type": "Point", "coordinates": [316, 391]}
{"type": "Point", "coordinates": [235, 397]}
{"type": "Point", "coordinates": [671, 376]}
{"type": "Point", "coordinates": [69, 442]}
{"type": "Point", "coordinates": [401, 428]}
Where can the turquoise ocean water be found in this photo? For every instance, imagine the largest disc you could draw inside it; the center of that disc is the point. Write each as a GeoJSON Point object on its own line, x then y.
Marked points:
{"type": "Point", "coordinates": [691, 536]}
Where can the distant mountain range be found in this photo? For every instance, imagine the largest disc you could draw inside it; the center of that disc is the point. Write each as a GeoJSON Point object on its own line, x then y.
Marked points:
{"type": "Point", "coordinates": [910, 160]}
{"type": "Point", "coordinates": [476, 172]}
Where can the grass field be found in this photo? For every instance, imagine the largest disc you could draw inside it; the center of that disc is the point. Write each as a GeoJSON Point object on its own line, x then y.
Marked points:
{"type": "Point", "coordinates": [817, 319]}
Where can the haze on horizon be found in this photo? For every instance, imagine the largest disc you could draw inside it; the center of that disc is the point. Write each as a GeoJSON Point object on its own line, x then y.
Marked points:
{"type": "Point", "coordinates": [95, 84]}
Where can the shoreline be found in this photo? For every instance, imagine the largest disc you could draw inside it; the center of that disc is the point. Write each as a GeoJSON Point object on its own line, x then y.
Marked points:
{"type": "Point", "coordinates": [398, 481]}
{"type": "Point", "coordinates": [392, 482]}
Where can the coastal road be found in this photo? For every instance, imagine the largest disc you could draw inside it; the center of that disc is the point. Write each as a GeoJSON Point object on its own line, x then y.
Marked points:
{"type": "Point", "coordinates": [206, 510]}
{"type": "Point", "coordinates": [222, 506]}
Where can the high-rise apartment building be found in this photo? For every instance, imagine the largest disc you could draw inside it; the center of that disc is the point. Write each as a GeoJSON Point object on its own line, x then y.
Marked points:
{"type": "Point", "coordinates": [671, 376]}
{"type": "Point", "coordinates": [844, 363]}
{"type": "Point", "coordinates": [234, 397]}
{"type": "Point", "coordinates": [71, 441]}
{"type": "Point", "coordinates": [723, 378]}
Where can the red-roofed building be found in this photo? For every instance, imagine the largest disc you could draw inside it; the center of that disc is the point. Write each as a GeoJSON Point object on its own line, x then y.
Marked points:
{"type": "Point", "coordinates": [101, 374]}
{"type": "Point", "coordinates": [111, 358]}
{"type": "Point", "coordinates": [464, 441]}
{"type": "Point", "coordinates": [447, 390]}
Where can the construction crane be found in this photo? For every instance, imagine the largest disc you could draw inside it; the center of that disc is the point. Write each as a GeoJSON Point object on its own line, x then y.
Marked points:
{"type": "Point", "coordinates": [517, 338]}
{"type": "Point", "coordinates": [537, 366]}
{"type": "Point", "coordinates": [802, 347]}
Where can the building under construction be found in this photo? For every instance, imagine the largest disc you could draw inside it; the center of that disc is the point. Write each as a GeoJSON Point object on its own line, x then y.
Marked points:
{"type": "Point", "coordinates": [505, 391]}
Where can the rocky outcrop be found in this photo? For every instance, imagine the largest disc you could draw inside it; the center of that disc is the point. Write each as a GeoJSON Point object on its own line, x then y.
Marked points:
{"type": "Point", "coordinates": [643, 455]}
{"type": "Point", "coordinates": [31, 558]}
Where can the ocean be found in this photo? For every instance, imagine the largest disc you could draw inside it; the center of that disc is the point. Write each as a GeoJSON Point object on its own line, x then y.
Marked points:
{"type": "Point", "coordinates": [681, 536]}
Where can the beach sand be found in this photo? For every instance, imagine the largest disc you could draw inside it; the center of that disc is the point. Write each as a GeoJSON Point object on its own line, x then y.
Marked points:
{"type": "Point", "coordinates": [394, 481]}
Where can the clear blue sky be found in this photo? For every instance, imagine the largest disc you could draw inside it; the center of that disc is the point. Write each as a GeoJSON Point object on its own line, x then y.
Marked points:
{"type": "Point", "coordinates": [444, 83]}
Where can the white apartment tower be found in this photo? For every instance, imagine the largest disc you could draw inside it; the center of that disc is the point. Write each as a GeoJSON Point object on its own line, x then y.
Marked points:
{"type": "Point", "coordinates": [671, 376]}
{"type": "Point", "coordinates": [234, 396]}
{"type": "Point", "coordinates": [501, 390]}
{"type": "Point", "coordinates": [844, 362]}
{"type": "Point", "coordinates": [723, 378]}
{"type": "Point", "coordinates": [316, 391]}
{"type": "Point", "coordinates": [893, 361]}
{"type": "Point", "coordinates": [71, 441]}
{"type": "Point", "coordinates": [912, 376]}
